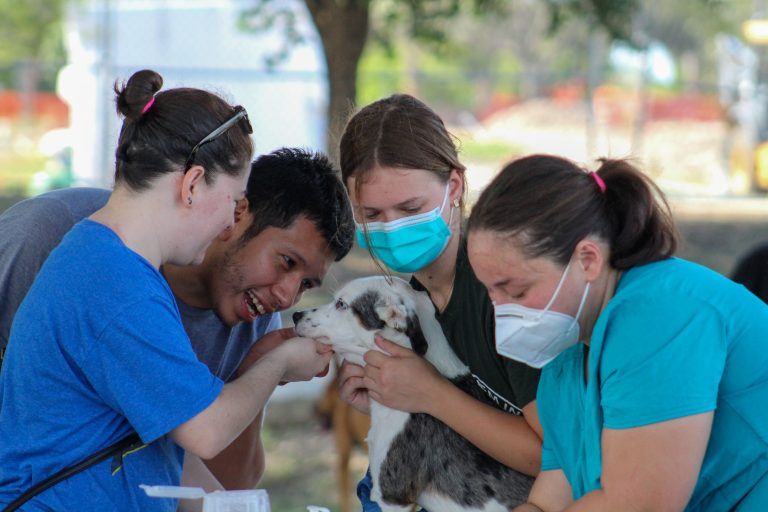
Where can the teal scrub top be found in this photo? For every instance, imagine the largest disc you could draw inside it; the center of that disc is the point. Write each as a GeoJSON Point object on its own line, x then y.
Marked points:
{"type": "Point", "coordinates": [675, 340]}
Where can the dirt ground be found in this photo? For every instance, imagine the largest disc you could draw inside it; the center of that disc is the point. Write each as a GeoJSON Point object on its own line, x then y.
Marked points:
{"type": "Point", "coordinates": [301, 459]}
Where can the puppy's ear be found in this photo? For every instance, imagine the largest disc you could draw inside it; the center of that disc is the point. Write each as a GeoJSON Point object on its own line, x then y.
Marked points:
{"type": "Point", "coordinates": [396, 316]}
{"type": "Point", "coordinates": [393, 314]}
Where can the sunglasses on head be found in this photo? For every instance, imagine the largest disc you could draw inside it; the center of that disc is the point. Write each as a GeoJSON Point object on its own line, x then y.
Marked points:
{"type": "Point", "coordinates": [240, 113]}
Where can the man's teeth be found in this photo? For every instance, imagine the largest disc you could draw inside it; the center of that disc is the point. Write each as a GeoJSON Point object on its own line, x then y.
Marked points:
{"type": "Point", "coordinates": [256, 307]}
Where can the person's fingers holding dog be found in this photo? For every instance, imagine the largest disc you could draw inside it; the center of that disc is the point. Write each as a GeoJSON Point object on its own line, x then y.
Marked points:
{"type": "Point", "coordinates": [302, 358]}
{"type": "Point", "coordinates": [399, 378]}
{"type": "Point", "coordinates": [266, 343]}
{"type": "Point", "coordinates": [351, 387]}
{"type": "Point", "coordinates": [323, 348]}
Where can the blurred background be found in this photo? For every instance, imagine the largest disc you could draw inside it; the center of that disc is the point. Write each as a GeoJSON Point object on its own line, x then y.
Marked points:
{"type": "Point", "coordinates": [682, 87]}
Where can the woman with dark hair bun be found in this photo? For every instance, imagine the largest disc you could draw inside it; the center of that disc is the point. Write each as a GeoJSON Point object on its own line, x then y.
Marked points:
{"type": "Point", "coordinates": [655, 370]}
{"type": "Point", "coordinates": [100, 388]}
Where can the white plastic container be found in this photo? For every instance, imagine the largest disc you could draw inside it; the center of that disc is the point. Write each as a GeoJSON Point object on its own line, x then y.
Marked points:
{"type": "Point", "coordinates": [256, 500]}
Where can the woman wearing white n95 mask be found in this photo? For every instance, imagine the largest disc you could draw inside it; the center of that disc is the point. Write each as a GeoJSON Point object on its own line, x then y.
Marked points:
{"type": "Point", "coordinates": [407, 184]}
{"type": "Point", "coordinates": [655, 369]}
{"type": "Point", "coordinates": [533, 336]}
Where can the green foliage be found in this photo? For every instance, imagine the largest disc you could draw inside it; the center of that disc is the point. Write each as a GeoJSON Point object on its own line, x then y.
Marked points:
{"type": "Point", "coordinates": [424, 21]}
{"type": "Point", "coordinates": [491, 59]}
{"type": "Point", "coordinates": [452, 82]}
{"type": "Point", "coordinates": [31, 29]}
{"type": "Point", "coordinates": [492, 151]}
{"type": "Point", "coordinates": [615, 16]}
{"type": "Point", "coordinates": [31, 35]}
{"type": "Point", "coordinates": [427, 21]}
{"type": "Point", "coordinates": [687, 26]}
{"type": "Point", "coordinates": [268, 14]}
{"type": "Point", "coordinates": [379, 74]}
{"type": "Point", "coordinates": [446, 81]}
{"type": "Point", "coordinates": [16, 171]}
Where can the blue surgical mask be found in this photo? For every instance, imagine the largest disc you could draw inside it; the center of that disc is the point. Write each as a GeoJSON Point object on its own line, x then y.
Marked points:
{"type": "Point", "coordinates": [536, 336]}
{"type": "Point", "coordinates": [410, 243]}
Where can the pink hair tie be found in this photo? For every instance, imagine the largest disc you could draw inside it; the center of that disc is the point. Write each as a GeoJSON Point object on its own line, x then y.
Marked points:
{"type": "Point", "coordinates": [149, 104]}
{"type": "Point", "coordinates": [599, 181]}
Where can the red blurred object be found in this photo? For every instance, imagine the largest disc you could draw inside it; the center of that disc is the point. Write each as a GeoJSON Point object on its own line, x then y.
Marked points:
{"type": "Point", "coordinates": [45, 106]}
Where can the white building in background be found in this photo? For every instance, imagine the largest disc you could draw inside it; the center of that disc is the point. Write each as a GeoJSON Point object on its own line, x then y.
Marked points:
{"type": "Point", "coordinates": [196, 43]}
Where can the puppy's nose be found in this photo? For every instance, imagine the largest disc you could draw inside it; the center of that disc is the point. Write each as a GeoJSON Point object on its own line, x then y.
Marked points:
{"type": "Point", "coordinates": [297, 316]}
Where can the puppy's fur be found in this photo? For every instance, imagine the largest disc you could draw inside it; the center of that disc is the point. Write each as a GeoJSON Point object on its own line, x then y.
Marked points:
{"type": "Point", "coordinates": [414, 458]}
{"type": "Point", "coordinates": [350, 428]}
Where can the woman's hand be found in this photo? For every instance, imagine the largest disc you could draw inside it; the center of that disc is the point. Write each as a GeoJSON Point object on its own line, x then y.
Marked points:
{"type": "Point", "coordinates": [351, 387]}
{"type": "Point", "coordinates": [400, 379]}
{"type": "Point", "coordinates": [302, 358]}
{"type": "Point", "coordinates": [266, 343]}
{"type": "Point", "coordinates": [270, 341]}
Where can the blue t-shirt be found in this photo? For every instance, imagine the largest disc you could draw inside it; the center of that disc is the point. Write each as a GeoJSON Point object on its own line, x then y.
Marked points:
{"type": "Point", "coordinates": [675, 340]}
{"type": "Point", "coordinates": [220, 347]}
{"type": "Point", "coordinates": [97, 350]}
{"type": "Point", "coordinates": [31, 229]}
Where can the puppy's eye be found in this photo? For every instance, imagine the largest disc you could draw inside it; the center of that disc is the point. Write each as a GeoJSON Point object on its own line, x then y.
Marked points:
{"type": "Point", "coordinates": [341, 305]}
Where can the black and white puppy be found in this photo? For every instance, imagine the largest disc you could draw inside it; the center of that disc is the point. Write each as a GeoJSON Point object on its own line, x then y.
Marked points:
{"type": "Point", "coordinates": [414, 458]}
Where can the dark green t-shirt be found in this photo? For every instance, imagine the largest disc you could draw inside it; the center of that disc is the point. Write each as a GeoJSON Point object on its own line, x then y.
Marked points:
{"type": "Point", "coordinates": [468, 323]}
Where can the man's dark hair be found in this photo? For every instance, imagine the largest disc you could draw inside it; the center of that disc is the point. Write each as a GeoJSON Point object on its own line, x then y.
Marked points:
{"type": "Point", "coordinates": [290, 182]}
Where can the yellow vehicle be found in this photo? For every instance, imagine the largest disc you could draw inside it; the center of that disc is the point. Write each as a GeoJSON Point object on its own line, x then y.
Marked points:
{"type": "Point", "coordinates": [748, 166]}
{"type": "Point", "coordinates": [744, 98]}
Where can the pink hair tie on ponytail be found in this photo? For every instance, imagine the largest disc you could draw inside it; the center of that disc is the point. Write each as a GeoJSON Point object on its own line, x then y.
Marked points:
{"type": "Point", "coordinates": [599, 181]}
{"type": "Point", "coordinates": [149, 104]}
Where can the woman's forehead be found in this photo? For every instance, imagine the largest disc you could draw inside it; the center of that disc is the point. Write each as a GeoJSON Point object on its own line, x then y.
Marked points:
{"type": "Point", "coordinates": [503, 253]}
{"type": "Point", "coordinates": [392, 185]}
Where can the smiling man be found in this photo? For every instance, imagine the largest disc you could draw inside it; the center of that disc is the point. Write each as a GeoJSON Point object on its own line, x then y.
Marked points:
{"type": "Point", "coordinates": [294, 223]}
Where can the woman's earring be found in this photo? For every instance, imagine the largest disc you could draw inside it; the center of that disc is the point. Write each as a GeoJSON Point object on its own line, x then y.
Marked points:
{"type": "Point", "coordinates": [189, 200]}
{"type": "Point", "coordinates": [456, 203]}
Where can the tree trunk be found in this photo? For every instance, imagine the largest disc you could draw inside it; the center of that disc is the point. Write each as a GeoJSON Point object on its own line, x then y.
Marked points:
{"type": "Point", "coordinates": [343, 28]}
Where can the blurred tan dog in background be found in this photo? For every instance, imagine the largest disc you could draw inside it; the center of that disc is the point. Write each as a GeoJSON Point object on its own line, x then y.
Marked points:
{"type": "Point", "coordinates": [350, 428]}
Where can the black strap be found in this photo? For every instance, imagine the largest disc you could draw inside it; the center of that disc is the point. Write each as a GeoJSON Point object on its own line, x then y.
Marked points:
{"type": "Point", "coordinates": [116, 450]}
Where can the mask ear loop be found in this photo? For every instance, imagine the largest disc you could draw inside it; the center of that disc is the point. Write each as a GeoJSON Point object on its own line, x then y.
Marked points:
{"type": "Point", "coordinates": [583, 300]}
{"type": "Point", "coordinates": [445, 198]}
{"type": "Point", "coordinates": [450, 218]}
{"type": "Point", "coordinates": [581, 306]}
{"type": "Point", "coordinates": [557, 290]}
{"type": "Point", "coordinates": [442, 206]}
